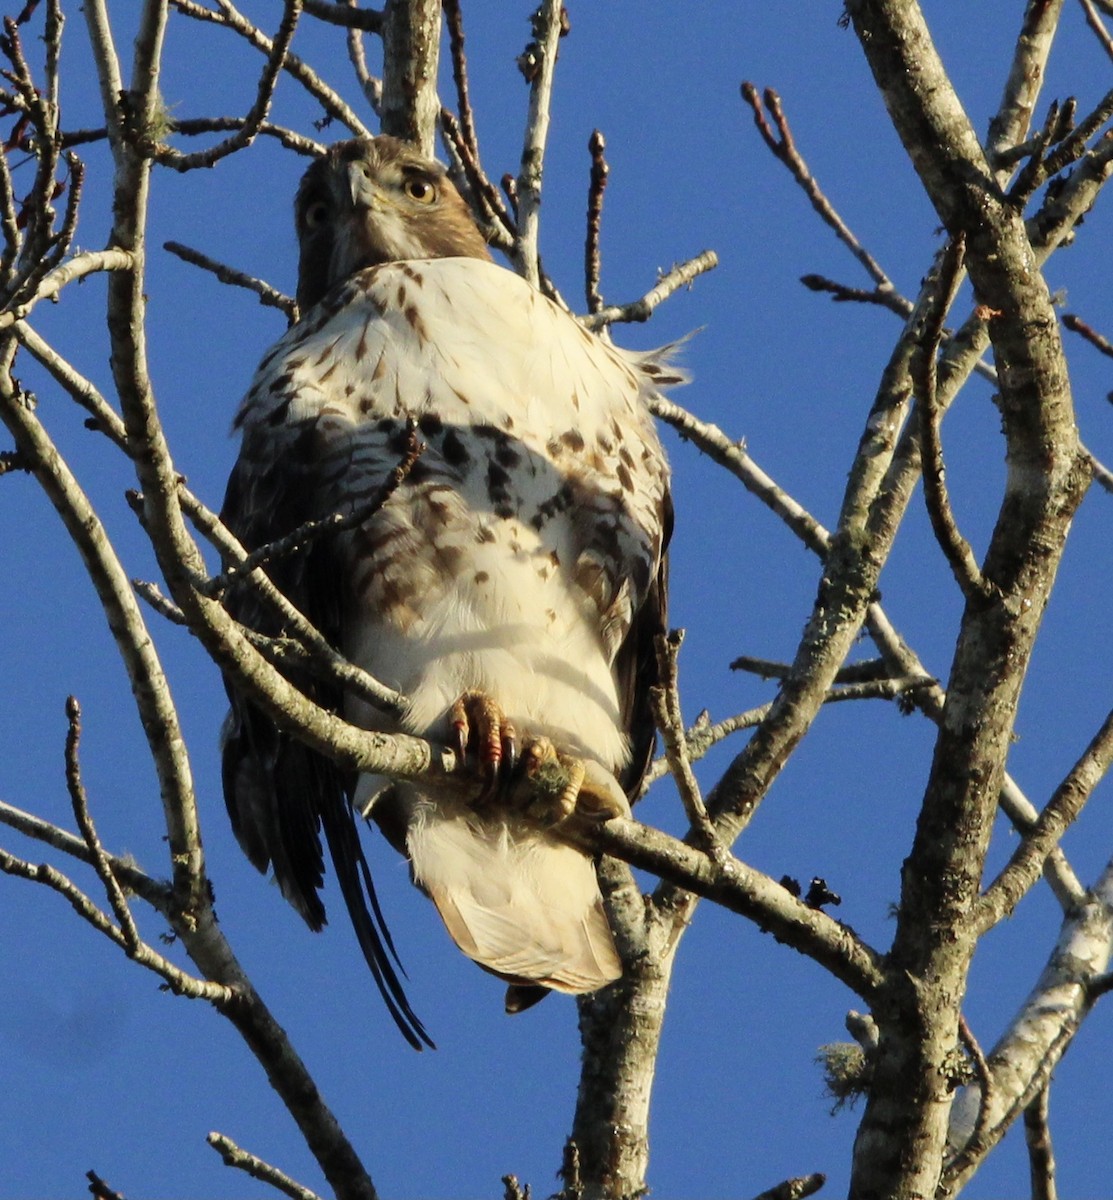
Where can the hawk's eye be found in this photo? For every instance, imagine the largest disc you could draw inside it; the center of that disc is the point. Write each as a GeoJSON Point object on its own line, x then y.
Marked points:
{"type": "Point", "coordinates": [420, 190]}
{"type": "Point", "coordinates": [316, 214]}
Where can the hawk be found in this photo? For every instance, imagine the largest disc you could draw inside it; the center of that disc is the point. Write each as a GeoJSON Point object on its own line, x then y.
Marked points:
{"type": "Point", "coordinates": [510, 587]}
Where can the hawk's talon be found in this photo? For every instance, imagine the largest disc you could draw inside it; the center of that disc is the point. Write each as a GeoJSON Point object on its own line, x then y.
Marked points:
{"type": "Point", "coordinates": [509, 749]}
{"type": "Point", "coordinates": [532, 777]}
{"type": "Point", "coordinates": [478, 724]}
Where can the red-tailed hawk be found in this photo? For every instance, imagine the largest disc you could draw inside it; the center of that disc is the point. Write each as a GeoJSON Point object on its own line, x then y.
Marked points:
{"type": "Point", "coordinates": [510, 588]}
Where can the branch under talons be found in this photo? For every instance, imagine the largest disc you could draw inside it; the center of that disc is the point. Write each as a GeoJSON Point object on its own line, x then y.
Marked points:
{"type": "Point", "coordinates": [268, 296]}
{"type": "Point", "coordinates": [665, 700]}
{"type": "Point", "coordinates": [1041, 1154]}
{"type": "Point", "coordinates": [242, 1160]}
{"type": "Point", "coordinates": [959, 555]}
{"type": "Point", "coordinates": [641, 310]}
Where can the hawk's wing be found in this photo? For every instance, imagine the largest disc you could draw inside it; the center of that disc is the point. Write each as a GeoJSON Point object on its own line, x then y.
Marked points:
{"type": "Point", "coordinates": [281, 794]}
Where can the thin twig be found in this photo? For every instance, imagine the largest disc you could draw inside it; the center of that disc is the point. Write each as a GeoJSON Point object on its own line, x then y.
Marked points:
{"type": "Point", "coordinates": [1041, 1153]}
{"type": "Point", "coordinates": [231, 18]}
{"type": "Point", "coordinates": [959, 555]}
{"type": "Point", "coordinates": [9, 224]}
{"type": "Point", "coordinates": [875, 670]}
{"type": "Point", "coordinates": [641, 310]}
{"type": "Point", "coordinates": [370, 85]}
{"type": "Point", "coordinates": [180, 982]}
{"type": "Point", "coordinates": [268, 296]}
{"type": "Point", "coordinates": [87, 263]}
{"type": "Point", "coordinates": [234, 1156]}
{"type": "Point", "coordinates": [257, 114]}
{"type": "Point", "coordinates": [310, 531]}
{"type": "Point", "coordinates": [1065, 885]}
{"type": "Point", "coordinates": [1066, 803]}
{"type": "Point", "coordinates": [733, 456]}
{"type": "Point", "coordinates": [796, 1188]}
{"type": "Point", "coordinates": [665, 700]}
{"type": "Point", "coordinates": [99, 1189]}
{"type": "Point", "coordinates": [702, 735]}
{"type": "Point", "coordinates": [885, 297]}
{"type": "Point", "coordinates": [597, 145]}
{"type": "Point", "coordinates": [195, 126]}
{"type": "Point", "coordinates": [498, 224]}
{"type": "Point", "coordinates": [1093, 19]}
{"type": "Point", "coordinates": [1076, 325]}
{"type": "Point", "coordinates": [1057, 125]}
{"type": "Point", "coordinates": [365, 20]}
{"type": "Point", "coordinates": [982, 1074]}
{"type": "Point", "coordinates": [152, 594]}
{"type": "Point", "coordinates": [350, 677]}
{"type": "Point", "coordinates": [154, 892]}
{"type": "Point", "coordinates": [1103, 476]}
{"type": "Point", "coordinates": [784, 148]}
{"type": "Point", "coordinates": [80, 803]}
{"type": "Point", "coordinates": [538, 64]}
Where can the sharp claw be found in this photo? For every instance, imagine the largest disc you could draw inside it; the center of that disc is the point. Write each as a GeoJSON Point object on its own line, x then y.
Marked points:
{"type": "Point", "coordinates": [509, 749]}
{"type": "Point", "coordinates": [460, 740]}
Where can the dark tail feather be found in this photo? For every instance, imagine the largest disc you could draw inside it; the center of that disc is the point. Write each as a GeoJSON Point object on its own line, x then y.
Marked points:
{"type": "Point", "coordinates": [354, 877]}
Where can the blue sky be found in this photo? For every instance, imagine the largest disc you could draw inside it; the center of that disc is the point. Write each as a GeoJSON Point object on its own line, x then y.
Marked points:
{"type": "Point", "coordinates": [101, 1070]}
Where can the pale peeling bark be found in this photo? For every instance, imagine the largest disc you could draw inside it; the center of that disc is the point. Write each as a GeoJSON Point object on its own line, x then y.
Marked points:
{"type": "Point", "coordinates": [901, 1142]}
{"type": "Point", "coordinates": [1023, 1059]}
{"type": "Point", "coordinates": [411, 32]}
{"type": "Point", "coordinates": [620, 1028]}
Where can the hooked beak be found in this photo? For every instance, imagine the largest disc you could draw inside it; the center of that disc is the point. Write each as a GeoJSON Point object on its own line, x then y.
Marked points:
{"type": "Point", "coordinates": [362, 192]}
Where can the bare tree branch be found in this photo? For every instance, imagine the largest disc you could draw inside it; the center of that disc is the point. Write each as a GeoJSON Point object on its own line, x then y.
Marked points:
{"type": "Point", "coordinates": [538, 64]}
{"type": "Point", "coordinates": [268, 296]}
{"type": "Point", "coordinates": [1041, 1156]}
{"type": "Point", "coordinates": [231, 18]}
{"type": "Point", "coordinates": [234, 1156]}
{"type": "Point", "coordinates": [672, 281]}
{"type": "Point", "coordinates": [597, 145]}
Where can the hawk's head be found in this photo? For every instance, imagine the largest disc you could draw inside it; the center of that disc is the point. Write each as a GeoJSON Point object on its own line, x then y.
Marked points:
{"type": "Point", "coordinates": [376, 200]}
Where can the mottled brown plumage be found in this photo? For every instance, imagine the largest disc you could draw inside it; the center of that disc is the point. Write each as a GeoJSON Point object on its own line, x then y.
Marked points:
{"type": "Point", "coordinates": [510, 588]}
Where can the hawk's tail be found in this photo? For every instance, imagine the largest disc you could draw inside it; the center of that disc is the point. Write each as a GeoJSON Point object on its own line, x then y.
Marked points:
{"type": "Point", "coordinates": [520, 903]}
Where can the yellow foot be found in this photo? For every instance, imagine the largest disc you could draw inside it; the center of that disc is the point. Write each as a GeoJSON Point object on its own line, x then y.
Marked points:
{"type": "Point", "coordinates": [545, 785]}
{"type": "Point", "coordinates": [563, 786]}
{"type": "Point", "coordinates": [479, 725]}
